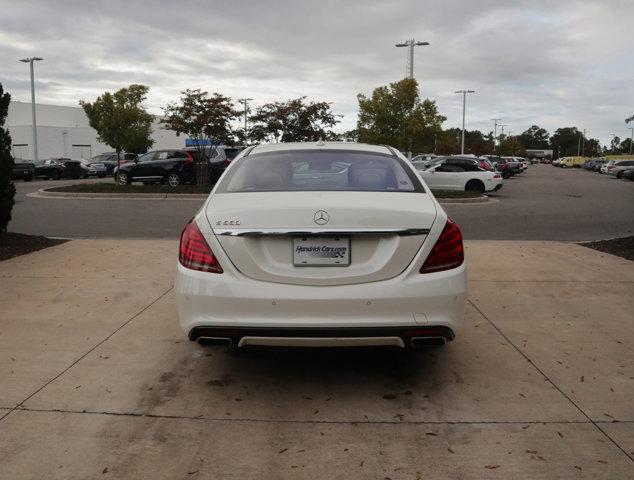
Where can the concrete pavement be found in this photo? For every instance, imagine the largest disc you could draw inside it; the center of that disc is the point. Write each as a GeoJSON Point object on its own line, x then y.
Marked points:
{"type": "Point", "coordinates": [98, 380]}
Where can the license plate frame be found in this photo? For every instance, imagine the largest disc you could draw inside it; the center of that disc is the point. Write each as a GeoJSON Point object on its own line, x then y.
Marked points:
{"type": "Point", "coordinates": [315, 251]}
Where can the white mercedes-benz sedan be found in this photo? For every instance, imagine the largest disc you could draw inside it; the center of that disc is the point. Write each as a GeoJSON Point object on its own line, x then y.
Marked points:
{"type": "Point", "coordinates": [321, 244]}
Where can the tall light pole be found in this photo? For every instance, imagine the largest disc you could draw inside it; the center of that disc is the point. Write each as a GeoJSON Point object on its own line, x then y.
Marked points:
{"type": "Point", "coordinates": [410, 44]}
{"type": "Point", "coordinates": [30, 61]}
{"type": "Point", "coordinates": [631, 129]}
{"type": "Point", "coordinates": [464, 102]}
{"type": "Point", "coordinates": [495, 130]}
{"type": "Point", "coordinates": [245, 102]}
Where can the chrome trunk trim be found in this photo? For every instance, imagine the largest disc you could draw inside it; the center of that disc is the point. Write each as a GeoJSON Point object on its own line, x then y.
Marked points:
{"type": "Point", "coordinates": [262, 232]}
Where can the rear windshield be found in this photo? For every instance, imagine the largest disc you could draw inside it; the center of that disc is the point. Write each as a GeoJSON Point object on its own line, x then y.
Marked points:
{"type": "Point", "coordinates": [319, 171]}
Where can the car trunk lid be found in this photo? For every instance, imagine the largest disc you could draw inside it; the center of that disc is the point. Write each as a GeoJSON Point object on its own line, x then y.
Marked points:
{"type": "Point", "coordinates": [259, 232]}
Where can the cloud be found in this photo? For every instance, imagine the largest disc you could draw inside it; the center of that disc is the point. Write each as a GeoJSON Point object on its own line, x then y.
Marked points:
{"type": "Point", "coordinates": [531, 62]}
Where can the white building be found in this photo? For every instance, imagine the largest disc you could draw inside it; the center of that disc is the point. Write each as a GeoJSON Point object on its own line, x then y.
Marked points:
{"type": "Point", "coordinates": [65, 132]}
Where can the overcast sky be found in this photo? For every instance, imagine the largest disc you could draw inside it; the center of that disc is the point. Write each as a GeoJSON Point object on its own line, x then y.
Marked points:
{"type": "Point", "coordinates": [553, 63]}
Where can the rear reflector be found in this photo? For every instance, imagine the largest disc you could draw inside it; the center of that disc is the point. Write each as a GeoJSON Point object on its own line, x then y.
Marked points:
{"type": "Point", "coordinates": [448, 251]}
{"type": "Point", "coordinates": [497, 175]}
{"type": "Point", "coordinates": [195, 253]}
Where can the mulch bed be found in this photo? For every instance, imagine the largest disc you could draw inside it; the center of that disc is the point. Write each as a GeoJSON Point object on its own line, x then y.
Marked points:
{"type": "Point", "coordinates": [621, 247]}
{"type": "Point", "coordinates": [15, 244]}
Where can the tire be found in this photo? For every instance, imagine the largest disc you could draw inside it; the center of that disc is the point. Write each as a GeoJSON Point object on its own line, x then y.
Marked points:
{"type": "Point", "coordinates": [474, 186]}
{"type": "Point", "coordinates": [619, 175]}
{"type": "Point", "coordinates": [123, 178]}
{"type": "Point", "coordinates": [173, 179]}
{"type": "Point", "coordinates": [505, 175]}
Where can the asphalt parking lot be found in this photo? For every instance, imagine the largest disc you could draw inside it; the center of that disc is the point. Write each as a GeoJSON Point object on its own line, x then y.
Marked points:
{"type": "Point", "coordinates": [544, 203]}
{"type": "Point", "coordinates": [98, 380]}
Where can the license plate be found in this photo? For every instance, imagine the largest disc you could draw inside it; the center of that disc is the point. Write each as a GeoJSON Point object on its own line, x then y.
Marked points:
{"type": "Point", "coordinates": [321, 251]}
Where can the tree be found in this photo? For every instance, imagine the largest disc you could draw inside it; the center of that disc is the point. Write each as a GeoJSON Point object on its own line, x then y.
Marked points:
{"type": "Point", "coordinates": [396, 116]}
{"type": "Point", "coordinates": [7, 189]}
{"type": "Point", "coordinates": [511, 146]}
{"type": "Point", "coordinates": [120, 119]}
{"type": "Point", "coordinates": [592, 148]}
{"type": "Point", "coordinates": [614, 145]}
{"type": "Point", "coordinates": [565, 141]}
{"type": "Point", "coordinates": [294, 120]}
{"type": "Point", "coordinates": [534, 138]}
{"type": "Point", "coordinates": [206, 120]}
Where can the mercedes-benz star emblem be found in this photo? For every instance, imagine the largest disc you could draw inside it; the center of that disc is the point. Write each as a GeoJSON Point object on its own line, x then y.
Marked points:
{"type": "Point", "coordinates": [321, 217]}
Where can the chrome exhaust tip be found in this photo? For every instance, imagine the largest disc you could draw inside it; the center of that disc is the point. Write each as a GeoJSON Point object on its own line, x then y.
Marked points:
{"type": "Point", "coordinates": [417, 342]}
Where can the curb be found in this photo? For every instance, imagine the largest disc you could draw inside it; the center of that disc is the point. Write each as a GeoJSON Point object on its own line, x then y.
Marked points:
{"type": "Point", "coordinates": [44, 192]}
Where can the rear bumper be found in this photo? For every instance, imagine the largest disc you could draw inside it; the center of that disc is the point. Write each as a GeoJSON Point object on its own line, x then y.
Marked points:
{"type": "Point", "coordinates": [319, 337]}
{"type": "Point", "coordinates": [230, 305]}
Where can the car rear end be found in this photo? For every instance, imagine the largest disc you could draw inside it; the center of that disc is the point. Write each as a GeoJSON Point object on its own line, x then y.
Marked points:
{"type": "Point", "coordinates": [23, 171]}
{"type": "Point", "coordinates": [260, 265]}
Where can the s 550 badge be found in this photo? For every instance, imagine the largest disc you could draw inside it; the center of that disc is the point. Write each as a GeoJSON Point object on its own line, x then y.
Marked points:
{"type": "Point", "coordinates": [228, 223]}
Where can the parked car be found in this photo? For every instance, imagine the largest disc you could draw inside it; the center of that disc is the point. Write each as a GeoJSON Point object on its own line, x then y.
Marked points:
{"type": "Point", "coordinates": [110, 160]}
{"type": "Point", "coordinates": [571, 162]}
{"type": "Point", "coordinates": [617, 168]}
{"type": "Point", "coordinates": [499, 164]}
{"type": "Point", "coordinates": [97, 169]}
{"type": "Point", "coordinates": [220, 160]}
{"type": "Point", "coordinates": [460, 173]}
{"type": "Point", "coordinates": [628, 174]}
{"type": "Point", "coordinates": [161, 166]}
{"type": "Point", "coordinates": [596, 167]}
{"type": "Point", "coordinates": [515, 166]}
{"type": "Point", "coordinates": [275, 260]}
{"type": "Point", "coordinates": [56, 168]}
{"type": "Point", "coordinates": [23, 170]}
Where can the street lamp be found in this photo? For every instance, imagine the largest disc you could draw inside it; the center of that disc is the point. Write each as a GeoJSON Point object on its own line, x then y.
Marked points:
{"type": "Point", "coordinates": [410, 44]}
{"type": "Point", "coordinates": [30, 61]}
{"type": "Point", "coordinates": [464, 101]}
{"type": "Point", "coordinates": [631, 138]}
{"type": "Point", "coordinates": [245, 102]}
{"type": "Point", "coordinates": [495, 130]}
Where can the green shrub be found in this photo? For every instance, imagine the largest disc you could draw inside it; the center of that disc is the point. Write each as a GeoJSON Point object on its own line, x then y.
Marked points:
{"type": "Point", "coordinates": [7, 189]}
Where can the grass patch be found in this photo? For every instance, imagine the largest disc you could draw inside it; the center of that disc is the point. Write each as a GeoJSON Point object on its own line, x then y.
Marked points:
{"type": "Point", "coordinates": [113, 188]}
{"type": "Point", "coordinates": [455, 194]}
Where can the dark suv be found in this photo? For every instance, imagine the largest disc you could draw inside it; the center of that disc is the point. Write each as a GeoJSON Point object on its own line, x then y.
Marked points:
{"type": "Point", "coordinates": [161, 166]}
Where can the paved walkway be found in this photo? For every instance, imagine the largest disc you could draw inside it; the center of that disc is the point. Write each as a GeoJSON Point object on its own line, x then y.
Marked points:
{"type": "Point", "coordinates": [98, 381]}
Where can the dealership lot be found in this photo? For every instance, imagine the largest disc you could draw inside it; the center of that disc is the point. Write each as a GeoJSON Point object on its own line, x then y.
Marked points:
{"type": "Point", "coordinates": [544, 203]}
{"type": "Point", "coordinates": [537, 385]}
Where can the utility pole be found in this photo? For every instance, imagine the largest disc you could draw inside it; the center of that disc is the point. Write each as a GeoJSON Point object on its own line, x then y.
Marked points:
{"type": "Point", "coordinates": [631, 129]}
{"type": "Point", "coordinates": [30, 61]}
{"type": "Point", "coordinates": [410, 44]}
{"type": "Point", "coordinates": [245, 102]}
{"type": "Point", "coordinates": [583, 143]}
{"type": "Point", "coordinates": [464, 101]}
{"type": "Point", "coordinates": [495, 131]}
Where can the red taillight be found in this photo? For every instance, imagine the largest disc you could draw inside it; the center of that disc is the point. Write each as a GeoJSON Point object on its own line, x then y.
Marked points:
{"type": "Point", "coordinates": [448, 251]}
{"type": "Point", "coordinates": [194, 251]}
{"type": "Point", "coordinates": [497, 175]}
{"type": "Point", "coordinates": [189, 160]}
